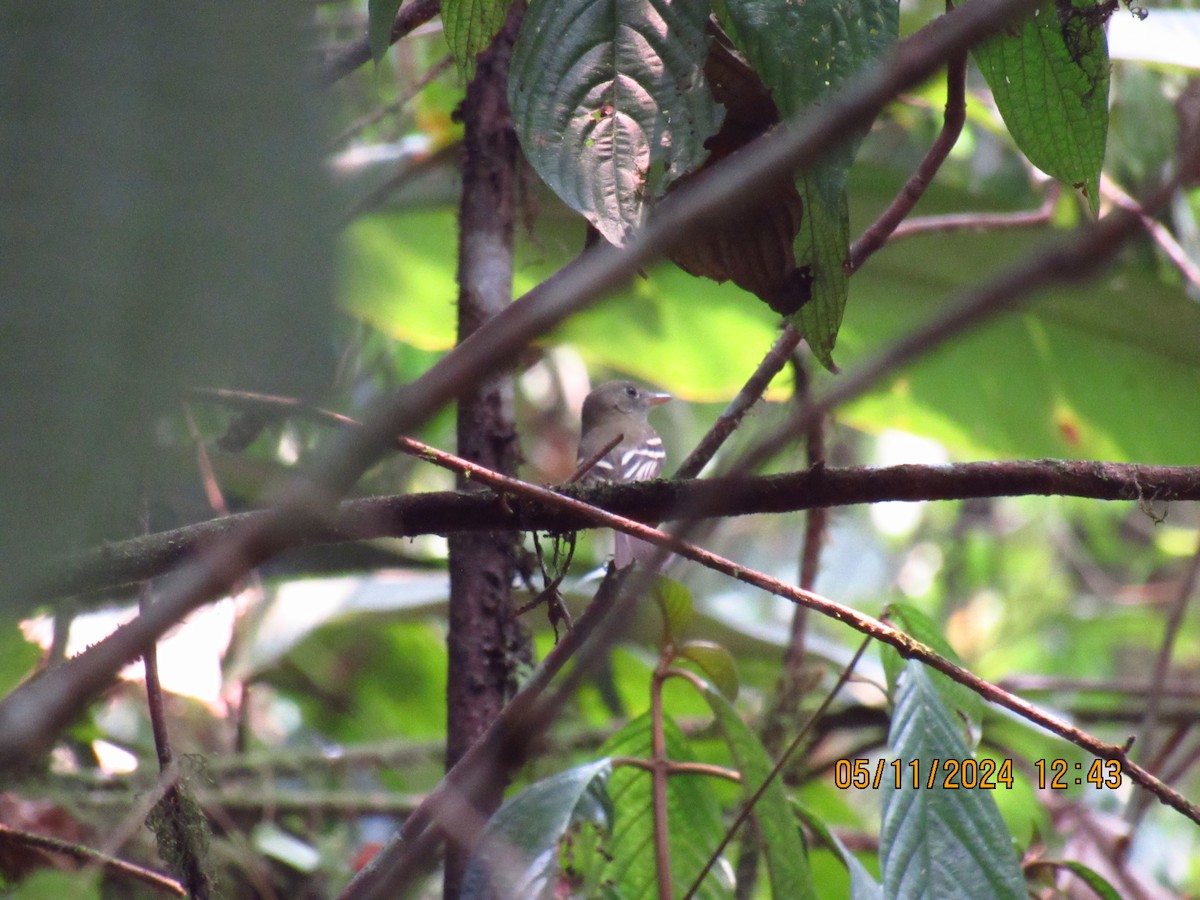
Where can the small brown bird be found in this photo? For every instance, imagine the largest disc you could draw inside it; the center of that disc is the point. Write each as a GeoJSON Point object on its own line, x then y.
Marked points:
{"type": "Point", "coordinates": [618, 411]}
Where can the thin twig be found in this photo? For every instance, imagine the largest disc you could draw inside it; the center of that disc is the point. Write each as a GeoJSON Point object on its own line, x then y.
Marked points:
{"type": "Point", "coordinates": [708, 770]}
{"type": "Point", "coordinates": [1138, 802]}
{"type": "Point", "coordinates": [586, 466]}
{"type": "Point", "coordinates": [110, 864]}
{"type": "Point", "coordinates": [952, 124]}
{"type": "Point", "coordinates": [415, 166]}
{"type": "Point", "coordinates": [405, 97]}
{"type": "Point", "coordinates": [780, 765]}
{"type": "Point", "coordinates": [1162, 236]}
{"type": "Point", "coordinates": [729, 419]}
{"type": "Point", "coordinates": [978, 221]}
{"type": "Point", "coordinates": [187, 851]}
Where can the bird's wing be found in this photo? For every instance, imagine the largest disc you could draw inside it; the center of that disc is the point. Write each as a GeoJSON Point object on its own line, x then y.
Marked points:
{"type": "Point", "coordinates": [641, 462]}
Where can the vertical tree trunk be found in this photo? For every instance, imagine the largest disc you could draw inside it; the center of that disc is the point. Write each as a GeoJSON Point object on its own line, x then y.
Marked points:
{"type": "Point", "coordinates": [485, 641]}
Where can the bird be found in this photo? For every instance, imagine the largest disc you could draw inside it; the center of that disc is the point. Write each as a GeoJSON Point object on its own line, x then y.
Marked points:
{"type": "Point", "coordinates": [616, 413]}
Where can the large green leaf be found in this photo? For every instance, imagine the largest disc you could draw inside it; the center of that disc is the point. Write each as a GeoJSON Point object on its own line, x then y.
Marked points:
{"type": "Point", "coordinates": [963, 701]}
{"type": "Point", "coordinates": [803, 52]}
{"type": "Point", "coordinates": [694, 819]}
{"type": "Point", "coordinates": [934, 842]}
{"type": "Point", "coordinates": [610, 103]}
{"type": "Point", "coordinates": [518, 851]}
{"type": "Point", "coordinates": [1095, 370]}
{"type": "Point", "coordinates": [696, 338]}
{"type": "Point", "coordinates": [163, 225]}
{"type": "Point", "coordinates": [786, 855]}
{"type": "Point", "coordinates": [1099, 370]}
{"type": "Point", "coordinates": [1050, 81]}
{"type": "Point", "coordinates": [470, 26]}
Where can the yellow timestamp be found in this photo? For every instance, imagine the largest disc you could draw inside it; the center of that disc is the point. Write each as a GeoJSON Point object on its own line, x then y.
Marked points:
{"type": "Point", "coordinates": [1059, 774]}
{"type": "Point", "coordinates": [947, 774]}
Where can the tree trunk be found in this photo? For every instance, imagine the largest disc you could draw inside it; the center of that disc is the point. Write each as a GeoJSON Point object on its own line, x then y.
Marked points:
{"type": "Point", "coordinates": [485, 642]}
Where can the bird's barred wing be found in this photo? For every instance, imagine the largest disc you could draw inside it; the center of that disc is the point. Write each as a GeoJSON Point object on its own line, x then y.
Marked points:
{"type": "Point", "coordinates": [633, 464]}
{"type": "Point", "coordinates": [643, 461]}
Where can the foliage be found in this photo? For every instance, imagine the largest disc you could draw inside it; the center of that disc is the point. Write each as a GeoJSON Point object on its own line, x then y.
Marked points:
{"type": "Point", "coordinates": [168, 225]}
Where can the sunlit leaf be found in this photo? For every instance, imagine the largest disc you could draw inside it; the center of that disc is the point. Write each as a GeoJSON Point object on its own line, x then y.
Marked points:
{"type": "Point", "coordinates": [675, 602]}
{"type": "Point", "coordinates": [967, 704]}
{"type": "Point", "coordinates": [862, 885]}
{"type": "Point", "coordinates": [821, 252]}
{"type": "Point", "coordinates": [1086, 874]}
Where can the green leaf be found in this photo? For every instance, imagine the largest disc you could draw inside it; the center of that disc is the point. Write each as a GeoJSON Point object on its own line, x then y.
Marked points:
{"type": "Point", "coordinates": [165, 224]}
{"type": "Point", "coordinates": [381, 16]}
{"type": "Point", "coordinates": [1050, 82]}
{"type": "Point", "coordinates": [716, 662]}
{"type": "Point", "coordinates": [937, 843]}
{"type": "Point", "coordinates": [862, 885]}
{"type": "Point", "coordinates": [675, 602]}
{"type": "Point", "coordinates": [823, 245]}
{"type": "Point", "coordinates": [669, 329]}
{"type": "Point", "coordinates": [470, 26]}
{"type": "Point", "coordinates": [1064, 377]}
{"type": "Point", "coordinates": [47, 884]}
{"type": "Point", "coordinates": [1087, 875]}
{"type": "Point", "coordinates": [518, 851]}
{"type": "Point", "coordinates": [958, 697]}
{"type": "Point", "coordinates": [694, 819]}
{"type": "Point", "coordinates": [803, 53]}
{"type": "Point", "coordinates": [610, 102]}
{"type": "Point", "coordinates": [787, 857]}
{"type": "Point", "coordinates": [17, 656]}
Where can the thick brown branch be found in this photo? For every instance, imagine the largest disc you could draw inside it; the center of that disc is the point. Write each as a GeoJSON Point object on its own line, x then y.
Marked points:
{"type": "Point", "coordinates": [446, 512]}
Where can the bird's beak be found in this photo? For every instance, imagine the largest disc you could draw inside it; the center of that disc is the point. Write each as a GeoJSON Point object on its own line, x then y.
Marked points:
{"type": "Point", "coordinates": [659, 399]}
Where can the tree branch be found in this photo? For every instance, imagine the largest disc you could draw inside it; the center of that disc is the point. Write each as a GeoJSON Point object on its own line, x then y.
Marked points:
{"type": "Point", "coordinates": [349, 57]}
{"type": "Point", "coordinates": [952, 124]}
{"type": "Point", "coordinates": [542, 509]}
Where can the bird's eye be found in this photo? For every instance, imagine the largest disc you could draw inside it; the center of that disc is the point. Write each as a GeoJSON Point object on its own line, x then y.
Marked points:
{"type": "Point", "coordinates": [631, 391]}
